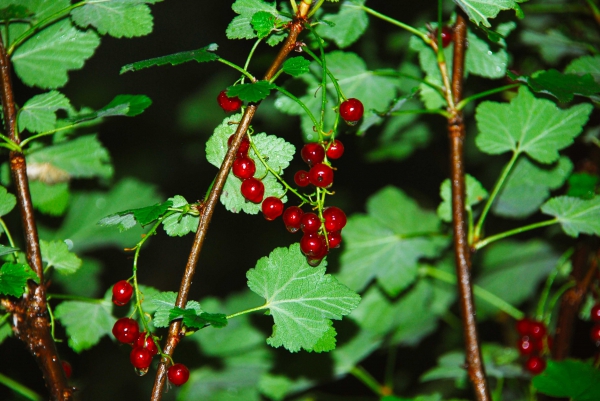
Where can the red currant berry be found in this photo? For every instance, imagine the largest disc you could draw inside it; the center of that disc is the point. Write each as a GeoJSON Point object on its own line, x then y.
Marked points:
{"type": "Point", "coordinates": [122, 292]}
{"type": "Point", "coordinates": [535, 364]}
{"type": "Point", "coordinates": [335, 218]}
{"type": "Point", "coordinates": [178, 374]}
{"type": "Point", "coordinates": [537, 330]}
{"type": "Point", "coordinates": [310, 223]}
{"type": "Point", "coordinates": [292, 216]}
{"type": "Point", "coordinates": [126, 330]}
{"type": "Point", "coordinates": [595, 313]}
{"type": "Point", "coordinates": [253, 189]}
{"type": "Point", "coordinates": [243, 167]}
{"type": "Point", "coordinates": [67, 368]}
{"type": "Point", "coordinates": [352, 110]}
{"type": "Point", "coordinates": [334, 238]}
{"type": "Point", "coordinates": [272, 208]}
{"type": "Point", "coordinates": [147, 342]}
{"type": "Point", "coordinates": [228, 103]}
{"type": "Point", "coordinates": [321, 175]}
{"type": "Point", "coordinates": [335, 150]}
{"type": "Point", "coordinates": [523, 326]}
{"type": "Point", "coordinates": [447, 36]}
{"type": "Point", "coordinates": [526, 346]}
{"type": "Point", "coordinates": [315, 259]}
{"type": "Point", "coordinates": [595, 333]}
{"type": "Point", "coordinates": [301, 178]}
{"type": "Point", "coordinates": [244, 146]}
{"type": "Point", "coordinates": [313, 245]}
{"type": "Point", "coordinates": [312, 153]}
{"type": "Point", "coordinates": [140, 357]}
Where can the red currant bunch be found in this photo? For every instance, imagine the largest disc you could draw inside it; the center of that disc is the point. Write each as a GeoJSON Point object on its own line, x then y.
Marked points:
{"type": "Point", "coordinates": [533, 342]}
{"type": "Point", "coordinates": [227, 103]}
{"type": "Point", "coordinates": [351, 110]}
{"type": "Point", "coordinates": [244, 168]}
{"type": "Point", "coordinates": [122, 292]}
{"type": "Point", "coordinates": [178, 374]}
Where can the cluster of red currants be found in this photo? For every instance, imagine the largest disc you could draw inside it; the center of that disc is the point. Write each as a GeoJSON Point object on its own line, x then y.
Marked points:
{"type": "Point", "coordinates": [595, 316]}
{"type": "Point", "coordinates": [127, 331]}
{"type": "Point", "coordinates": [533, 343]}
{"type": "Point", "coordinates": [244, 168]}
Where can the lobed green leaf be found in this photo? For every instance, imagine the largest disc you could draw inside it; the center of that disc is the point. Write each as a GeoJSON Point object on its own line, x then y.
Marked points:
{"type": "Point", "coordinates": [38, 114]}
{"type": "Point", "coordinates": [575, 215]}
{"type": "Point", "coordinates": [202, 55]}
{"type": "Point", "coordinates": [479, 11]}
{"type": "Point", "coordinates": [163, 303]}
{"type": "Point", "coordinates": [182, 223]}
{"type": "Point", "coordinates": [13, 278]}
{"type": "Point", "coordinates": [585, 65]}
{"type": "Point", "coordinates": [7, 201]}
{"type": "Point", "coordinates": [583, 185]}
{"type": "Point", "coordinates": [253, 92]}
{"type": "Point", "coordinates": [475, 193]}
{"type": "Point", "coordinates": [561, 86]}
{"type": "Point", "coordinates": [128, 218]}
{"type": "Point", "coordinates": [347, 26]}
{"type": "Point", "coordinates": [296, 66]}
{"type": "Point", "coordinates": [196, 320]}
{"type": "Point", "coordinates": [56, 254]}
{"type": "Point", "coordinates": [51, 199]}
{"type": "Point", "coordinates": [576, 380]}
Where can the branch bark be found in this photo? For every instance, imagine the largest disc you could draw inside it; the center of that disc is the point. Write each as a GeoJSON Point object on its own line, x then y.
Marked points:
{"type": "Point", "coordinates": [175, 327]}
{"type": "Point", "coordinates": [31, 322]}
{"type": "Point", "coordinates": [456, 134]}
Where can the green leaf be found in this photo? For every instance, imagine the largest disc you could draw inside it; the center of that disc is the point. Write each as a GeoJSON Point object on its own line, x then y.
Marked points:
{"type": "Point", "coordinates": [86, 323]}
{"type": "Point", "coordinates": [121, 105]}
{"type": "Point", "coordinates": [583, 185]}
{"type": "Point", "coordinates": [198, 320]}
{"type": "Point", "coordinates": [276, 150]}
{"type": "Point", "coordinates": [241, 27]}
{"type": "Point", "coordinates": [84, 282]}
{"type": "Point", "coordinates": [347, 25]}
{"type": "Point", "coordinates": [6, 250]}
{"type": "Point", "coordinates": [202, 55]}
{"type": "Point", "coordinates": [553, 45]}
{"type": "Point", "coordinates": [180, 224]}
{"type": "Point", "coordinates": [327, 342]}
{"type": "Point", "coordinates": [128, 218]}
{"type": "Point", "coordinates": [585, 65]}
{"type": "Point", "coordinates": [57, 255]}
{"type": "Point", "coordinates": [561, 86]}
{"type": "Point", "coordinates": [571, 379]}
{"type": "Point", "coordinates": [529, 125]}
{"type": "Point", "coordinates": [482, 60]}
{"type": "Point", "coordinates": [45, 58]}
{"type": "Point", "coordinates": [253, 92]}
{"type": "Point", "coordinates": [51, 199]}
{"type": "Point", "coordinates": [7, 201]}
{"type": "Point", "coordinates": [388, 242]}
{"type": "Point", "coordinates": [301, 299]}
{"type": "Point", "coordinates": [263, 23]}
{"type": "Point", "coordinates": [510, 269]}
{"type": "Point", "coordinates": [528, 186]}
{"type": "Point", "coordinates": [575, 215]}
{"type": "Point", "coordinates": [117, 18]}
{"type": "Point", "coordinates": [15, 12]}
{"type": "Point", "coordinates": [13, 278]}
{"type": "Point", "coordinates": [431, 97]}
{"type": "Point", "coordinates": [83, 157]}
{"type": "Point", "coordinates": [275, 387]}
{"type": "Point", "coordinates": [80, 226]}
{"type": "Point", "coordinates": [163, 303]}
{"type": "Point", "coordinates": [475, 193]}
{"type": "Point", "coordinates": [38, 114]}
{"type": "Point", "coordinates": [479, 11]}
{"type": "Point", "coordinates": [296, 66]}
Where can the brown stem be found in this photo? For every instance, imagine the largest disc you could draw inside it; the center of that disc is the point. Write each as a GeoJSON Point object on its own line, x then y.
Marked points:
{"type": "Point", "coordinates": [31, 322]}
{"type": "Point", "coordinates": [209, 207]}
{"type": "Point", "coordinates": [456, 133]}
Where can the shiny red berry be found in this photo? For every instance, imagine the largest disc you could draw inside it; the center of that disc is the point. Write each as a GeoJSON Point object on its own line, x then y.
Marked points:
{"type": "Point", "coordinates": [228, 103]}
{"type": "Point", "coordinates": [253, 189]}
{"type": "Point", "coordinates": [301, 178]}
{"type": "Point", "coordinates": [178, 374]}
{"type": "Point", "coordinates": [447, 36]}
{"type": "Point", "coordinates": [67, 368]}
{"type": "Point", "coordinates": [335, 150]}
{"type": "Point", "coordinates": [140, 357]}
{"type": "Point", "coordinates": [595, 313]}
{"type": "Point", "coordinates": [292, 216]}
{"type": "Point", "coordinates": [335, 218]}
{"type": "Point", "coordinates": [310, 223]}
{"type": "Point", "coordinates": [122, 292]}
{"type": "Point", "coordinates": [313, 245]}
{"type": "Point", "coordinates": [315, 258]}
{"type": "Point", "coordinates": [243, 167]}
{"type": "Point", "coordinates": [535, 364]}
{"type": "Point", "coordinates": [126, 330]}
{"type": "Point", "coordinates": [523, 326]}
{"type": "Point", "coordinates": [526, 346]}
{"type": "Point", "coordinates": [595, 333]}
{"type": "Point", "coordinates": [147, 342]}
{"type": "Point", "coordinates": [537, 330]}
{"type": "Point", "coordinates": [312, 153]}
{"type": "Point", "coordinates": [244, 146]}
{"type": "Point", "coordinates": [321, 175]}
{"type": "Point", "coordinates": [352, 110]}
{"type": "Point", "coordinates": [272, 208]}
{"type": "Point", "coordinates": [334, 238]}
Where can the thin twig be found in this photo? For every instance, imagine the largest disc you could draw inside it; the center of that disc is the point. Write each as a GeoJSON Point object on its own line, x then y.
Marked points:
{"type": "Point", "coordinates": [209, 207]}
{"type": "Point", "coordinates": [31, 322]}
{"type": "Point", "coordinates": [456, 133]}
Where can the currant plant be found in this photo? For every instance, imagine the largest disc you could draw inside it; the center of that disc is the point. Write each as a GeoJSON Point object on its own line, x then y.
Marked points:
{"type": "Point", "coordinates": [512, 247]}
